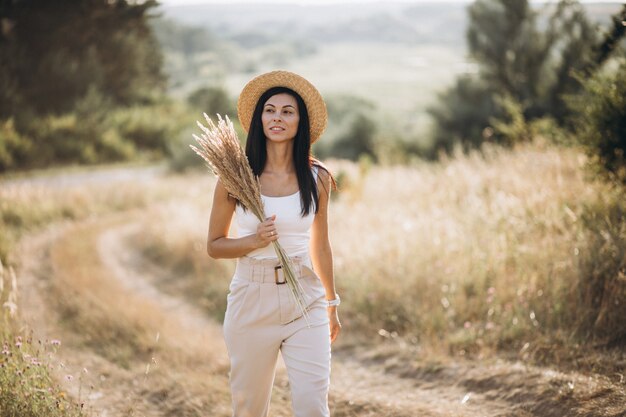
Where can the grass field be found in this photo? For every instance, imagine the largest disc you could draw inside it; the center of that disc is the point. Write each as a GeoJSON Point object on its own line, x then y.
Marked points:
{"type": "Point", "coordinates": [499, 254]}
{"type": "Point", "coordinates": [492, 252]}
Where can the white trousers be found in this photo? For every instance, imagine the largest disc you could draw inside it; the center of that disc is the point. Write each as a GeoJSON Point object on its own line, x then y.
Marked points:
{"type": "Point", "coordinates": [261, 320]}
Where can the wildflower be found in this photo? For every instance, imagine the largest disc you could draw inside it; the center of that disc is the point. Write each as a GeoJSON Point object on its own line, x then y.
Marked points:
{"type": "Point", "coordinates": [467, 325]}
{"type": "Point", "coordinates": [69, 377]}
{"type": "Point", "coordinates": [55, 342]}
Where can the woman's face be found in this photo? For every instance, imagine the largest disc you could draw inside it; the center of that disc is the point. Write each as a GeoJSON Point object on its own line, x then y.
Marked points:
{"type": "Point", "coordinates": [280, 118]}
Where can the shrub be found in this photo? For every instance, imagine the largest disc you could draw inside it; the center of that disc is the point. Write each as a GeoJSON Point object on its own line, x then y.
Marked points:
{"type": "Point", "coordinates": [601, 122]}
{"type": "Point", "coordinates": [13, 146]}
{"type": "Point", "coordinates": [212, 100]}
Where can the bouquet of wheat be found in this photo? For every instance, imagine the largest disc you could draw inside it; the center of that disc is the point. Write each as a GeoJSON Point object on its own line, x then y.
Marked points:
{"type": "Point", "coordinates": [221, 150]}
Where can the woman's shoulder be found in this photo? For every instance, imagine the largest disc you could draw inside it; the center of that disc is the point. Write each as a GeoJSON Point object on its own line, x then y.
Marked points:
{"type": "Point", "coordinates": [320, 167]}
{"type": "Point", "coordinates": [324, 175]}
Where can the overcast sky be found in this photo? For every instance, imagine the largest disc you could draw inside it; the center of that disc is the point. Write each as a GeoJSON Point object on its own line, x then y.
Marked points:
{"type": "Point", "coordinates": [314, 2]}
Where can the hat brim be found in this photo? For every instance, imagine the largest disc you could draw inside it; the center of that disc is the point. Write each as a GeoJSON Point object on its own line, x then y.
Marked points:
{"type": "Point", "coordinates": [316, 108]}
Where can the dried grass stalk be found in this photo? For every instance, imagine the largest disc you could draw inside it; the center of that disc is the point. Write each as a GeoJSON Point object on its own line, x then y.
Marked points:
{"type": "Point", "coordinates": [220, 148]}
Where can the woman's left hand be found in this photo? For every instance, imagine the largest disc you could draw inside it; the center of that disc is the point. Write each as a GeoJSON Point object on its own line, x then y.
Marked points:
{"type": "Point", "coordinates": [335, 325]}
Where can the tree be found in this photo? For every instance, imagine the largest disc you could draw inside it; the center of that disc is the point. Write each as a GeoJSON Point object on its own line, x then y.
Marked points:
{"type": "Point", "coordinates": [57, 50]}
{"type": "Point", "coordinates": [601, 121]}
{"type": "Point", "coordinates": [533, 66]}
{"type": "Point", "coordinates": [212, 100]}
{"type": "Point", "coordinates": [527, 58]}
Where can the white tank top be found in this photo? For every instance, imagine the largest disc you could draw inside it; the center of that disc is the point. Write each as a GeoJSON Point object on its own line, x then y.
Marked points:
{"type": "Point", "coordinates": [294, 230]}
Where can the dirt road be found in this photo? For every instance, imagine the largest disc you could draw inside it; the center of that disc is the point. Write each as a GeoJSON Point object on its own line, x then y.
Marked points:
{"type": "Point", "coordinates": [386, 380]}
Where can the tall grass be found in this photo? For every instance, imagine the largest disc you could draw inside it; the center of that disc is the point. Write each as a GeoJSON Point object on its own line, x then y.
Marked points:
{"type": "Point", "coordinates": [26, 385]}
{"type": "Point", "coordinates": [504, 250]}
{"type": "Point", "coordinates": [479, 251]}
{"type": "Point", "coordinates": [26, 208]}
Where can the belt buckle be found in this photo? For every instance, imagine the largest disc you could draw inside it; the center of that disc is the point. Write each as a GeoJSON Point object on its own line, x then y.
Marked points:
{"type": "Point", "coordinates": [276, 268]}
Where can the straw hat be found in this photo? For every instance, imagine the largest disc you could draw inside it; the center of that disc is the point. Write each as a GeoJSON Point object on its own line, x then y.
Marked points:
{"type": "Point", "coordinates": [313, 100]}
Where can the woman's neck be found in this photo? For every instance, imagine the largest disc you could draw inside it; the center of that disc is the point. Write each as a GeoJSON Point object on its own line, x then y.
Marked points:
{"type": "Point", "coordinates": [279, 157]}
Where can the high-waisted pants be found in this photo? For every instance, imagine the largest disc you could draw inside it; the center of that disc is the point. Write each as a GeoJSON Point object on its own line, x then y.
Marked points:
{"type": "Point", "coordinates": [262, 319]}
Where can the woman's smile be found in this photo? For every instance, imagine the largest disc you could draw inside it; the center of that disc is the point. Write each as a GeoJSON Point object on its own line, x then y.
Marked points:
{"type": "Point", "coordinates": [280, 117]}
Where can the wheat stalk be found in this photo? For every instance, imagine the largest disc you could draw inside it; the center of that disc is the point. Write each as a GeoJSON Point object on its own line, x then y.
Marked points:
{"type": "Point", "coordinates": [220, 149]}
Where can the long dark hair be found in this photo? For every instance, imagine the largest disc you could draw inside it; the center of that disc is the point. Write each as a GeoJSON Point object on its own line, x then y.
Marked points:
{"type": "Point", "coordinates": [256, 150]}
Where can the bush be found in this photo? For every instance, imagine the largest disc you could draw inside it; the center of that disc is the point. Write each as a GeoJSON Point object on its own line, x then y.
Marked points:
{"type": "Point", "coordinates": [212, 100]}
{"type": "Point", "coordinates": [148, 128]}
{"type": "Point", "coordinates": [351, 130]}
{"type": "Point", "coordinates": [601, 122]}
{"type": "Point", "coordinates": [463, 113]}
{"type": "Point", "coordinates": [13, 146]}
{"type": "Point", "coordinates": [95, 131]}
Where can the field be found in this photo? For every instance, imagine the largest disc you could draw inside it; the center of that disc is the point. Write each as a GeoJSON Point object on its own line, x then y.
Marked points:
{"type": "Point", "coordinates": [467, 285]}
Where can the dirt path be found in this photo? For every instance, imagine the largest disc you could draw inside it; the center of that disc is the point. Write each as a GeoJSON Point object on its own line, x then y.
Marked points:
{"type": "Point", "coordinates": [388, 381]}
{"type": "Point", "coordinates": [352, 382]}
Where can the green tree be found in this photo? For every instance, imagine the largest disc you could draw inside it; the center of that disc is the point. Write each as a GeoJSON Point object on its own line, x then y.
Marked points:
{"type": "Point", "coordinates": [351, 128]}
{"type": "Point", "coordinates": [527, 58]}
{"type": "Point", "coordinates": [212, 100]}
{"type": "Point", "coordinates": [58, 50]}
{"type": "Point", "coordinates": [463, 114]}
{"type": "Point", "coordinates": [601, 121]}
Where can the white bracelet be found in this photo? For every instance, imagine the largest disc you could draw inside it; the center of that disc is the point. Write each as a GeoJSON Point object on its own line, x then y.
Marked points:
{"type": "Point", "coordinates": [335, 302]}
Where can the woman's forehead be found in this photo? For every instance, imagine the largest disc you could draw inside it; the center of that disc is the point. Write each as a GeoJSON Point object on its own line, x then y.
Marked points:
{"type": "Point", "coordinates": [282, 100]}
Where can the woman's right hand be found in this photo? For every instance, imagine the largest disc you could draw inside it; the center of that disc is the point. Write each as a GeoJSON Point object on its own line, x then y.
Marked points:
{"type": "Point", "coordinates": [266, 232]}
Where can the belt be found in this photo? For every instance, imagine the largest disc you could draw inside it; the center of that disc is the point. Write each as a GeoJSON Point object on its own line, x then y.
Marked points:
{"type": "Point", "coordinates": [268, 270]}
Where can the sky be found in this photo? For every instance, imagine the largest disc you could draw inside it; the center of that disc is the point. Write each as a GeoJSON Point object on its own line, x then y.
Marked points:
{"type": "Point", "coordinates": [316, 2]}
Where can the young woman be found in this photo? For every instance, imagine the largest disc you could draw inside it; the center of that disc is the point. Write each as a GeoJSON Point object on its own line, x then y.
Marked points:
{"type": "Point", "coordinates": [283, 114]}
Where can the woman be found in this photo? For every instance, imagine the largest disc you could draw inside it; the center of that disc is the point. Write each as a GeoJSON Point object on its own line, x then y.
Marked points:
{"type": "Point", "coordinates": [283, 114]}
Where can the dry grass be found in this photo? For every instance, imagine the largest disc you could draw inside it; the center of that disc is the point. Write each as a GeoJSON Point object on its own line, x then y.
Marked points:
{"type": "Point", "coordinates": [121, 325]}
{"type": "Point", "coordinates": [479, 251]}
{"type": "Point", "coordinates": [25, 208]}
{"type": "Point", "coordinates": [509, 251]}
{"type": "Point", "coordinates": [495, 251]}
{"type": "Point", "coordinates": [26, 385]}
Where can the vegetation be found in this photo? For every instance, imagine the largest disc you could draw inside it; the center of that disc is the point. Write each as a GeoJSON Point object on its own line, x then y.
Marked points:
{"type": "Point", "coordinates": [59, 90]}
{"type": "Point", "coordinates": [510, 250]}
{"type": "Point", "coordinates": [477, 257]}
{"type": "Point", "coordinates": [528, 60]}
{"type": "Point", "coordinates": [601, 124]}
{"type": "Point", "coordinates": [27, 388]}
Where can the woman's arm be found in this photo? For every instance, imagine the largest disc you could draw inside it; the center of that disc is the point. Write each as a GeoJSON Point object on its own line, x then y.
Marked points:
{"type": "Point", "coordinates": [321, 251]}
{"type": "Point", "coordinates": [219, 245]}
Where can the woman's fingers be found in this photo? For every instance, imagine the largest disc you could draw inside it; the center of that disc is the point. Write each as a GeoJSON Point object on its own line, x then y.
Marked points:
{"type": "Point", "coordinates": [335, 325]}
{"type": "Point", "coordinates": [266, 231]}
{"type": "Point", "coordinates": [334, 331]}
